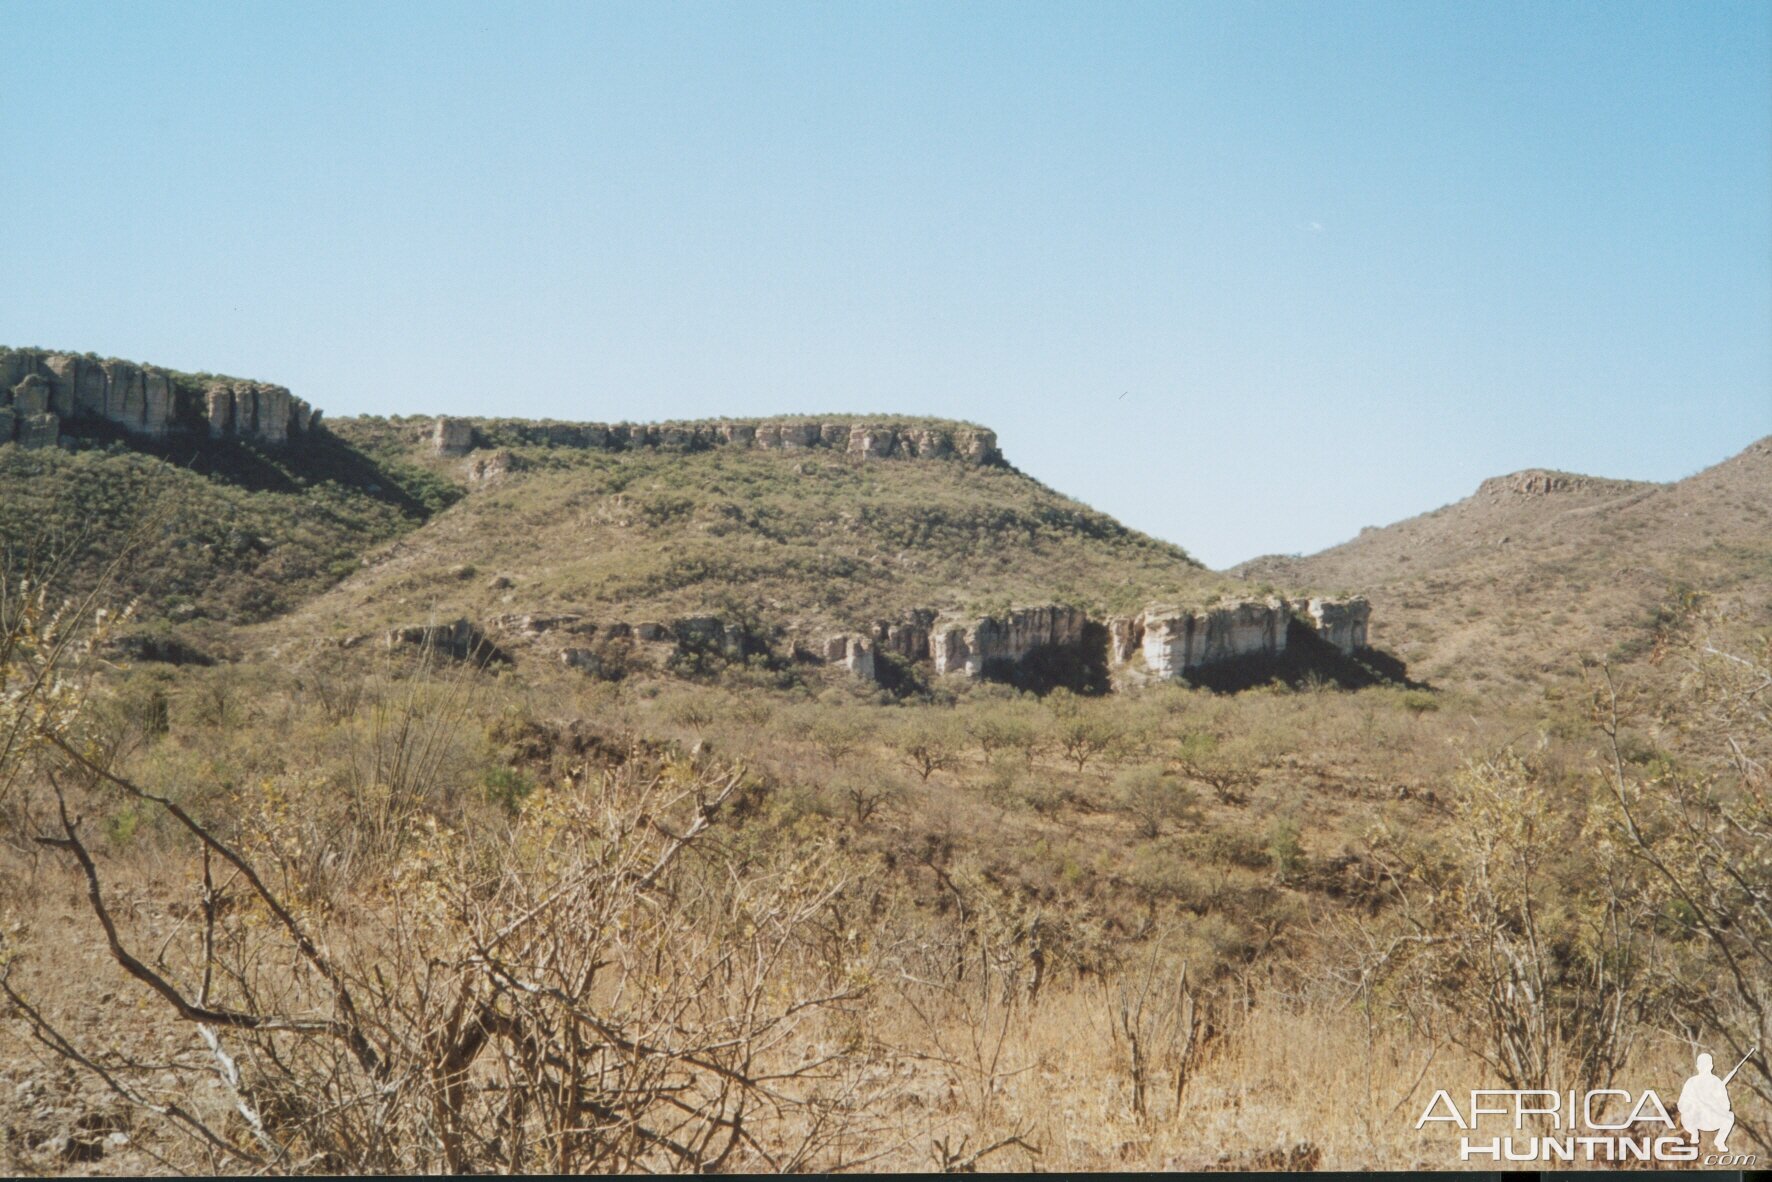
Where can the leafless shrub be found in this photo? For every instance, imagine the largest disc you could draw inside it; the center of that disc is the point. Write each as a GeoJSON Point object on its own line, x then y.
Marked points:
{"type": "Point", "coordinates": [1702, 831]}
{"type": "Point", "coordinates": [577, 996]}
{"type": "Point", "coordinates": [1160, 1024]}
{"type": "Point", "coordinates": [1520, 951]}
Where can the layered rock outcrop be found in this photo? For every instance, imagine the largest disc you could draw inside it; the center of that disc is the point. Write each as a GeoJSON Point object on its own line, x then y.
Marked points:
{"type": "Point", "coordinates": [1159, 643]}
{"type": "Point", "coordinates": [457, 639]}
{"type": "Point", "coordinates": [1170, 640]}
{"type": "Point", "coordinates": [36, 431]}
{"type": "Point", "coordinates": [854, 653]}
{"type": "Point", "coordinates": [970, 647]}
{"type": "Point", "coordinates": [1175, 640]}
{"type": "Point", "coordinates": [490, 467]}
{"type": "Point", "coordinates": [686, 636]}
{"type": "Point", "coordinates": [907, 637]}
{"type": "Point", "coordinates": [864, 440]}
{"type": "Point", "coordinates": [1544, 482]}
{"type": "Point", "coordinates": [40, 390]}
{"type": "Point", "coordinates": [1340, 622]}
{"type": "Point", "coordinates": [452, 437]}
{"type": "Point", "coordinates": [254, 410]}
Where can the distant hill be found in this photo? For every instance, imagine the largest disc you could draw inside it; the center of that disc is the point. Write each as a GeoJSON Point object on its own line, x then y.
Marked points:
{"type": "Point", "coordinates": [1534, 569]}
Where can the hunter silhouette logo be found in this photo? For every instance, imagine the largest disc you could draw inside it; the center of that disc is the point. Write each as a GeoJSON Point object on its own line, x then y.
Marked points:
{"type": "Point", "coordinates": [1704, 1102]}
{"type": "Point", "coordinates": [1600, 1125]}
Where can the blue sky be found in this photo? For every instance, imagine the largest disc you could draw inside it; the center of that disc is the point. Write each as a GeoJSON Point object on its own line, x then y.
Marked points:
{"type": "Point", "coordinates": [1247, 276]}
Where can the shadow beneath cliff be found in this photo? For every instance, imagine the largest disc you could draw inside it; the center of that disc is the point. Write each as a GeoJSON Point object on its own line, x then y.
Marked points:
{"type": "Point", "coordinates": [899, 677]}
{"type": "Point", "coordinates": [1081, 668]}
{"type": "Point", "coordinates": [313, 458]}
{"type": "Point", "coordinates": [1308, 660]}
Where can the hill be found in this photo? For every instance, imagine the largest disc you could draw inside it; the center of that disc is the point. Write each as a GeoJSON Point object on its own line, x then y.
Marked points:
{"type": "Point", "coordinates": [1515, 582]}
{"type": "Point", "coordinates": [799, 525]}
{"type": "Point", "coordinates": [221, 532]}
{"type": "Point", "coordinates": [943, 916]}
{"type": "Point", "coordinates": [814, 540]}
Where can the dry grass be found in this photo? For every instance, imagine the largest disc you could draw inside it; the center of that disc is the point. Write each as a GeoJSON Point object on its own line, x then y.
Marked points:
{"type": "Point", "coordinates": [1013, 922]}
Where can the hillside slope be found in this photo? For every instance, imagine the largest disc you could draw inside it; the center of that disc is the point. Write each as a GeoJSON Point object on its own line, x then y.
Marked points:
{"type": "Point", "coordinates": [223, 532]}
{"type": "Point", "coordinates": [1535, 569]}
{"type": "Point", "coordinates": [800, 524]}
{"type": "Point", "coordinates": [804, 540]}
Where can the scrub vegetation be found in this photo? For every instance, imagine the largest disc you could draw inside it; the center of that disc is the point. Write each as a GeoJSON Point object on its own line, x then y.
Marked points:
{"type": "Point", "coordinates": [298, 907]}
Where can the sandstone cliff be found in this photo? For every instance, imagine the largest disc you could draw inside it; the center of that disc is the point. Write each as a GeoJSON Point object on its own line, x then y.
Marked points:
{"type": "Point", "coordinates": [866, 440]}
{"type": "Point", "coordinates": [854, 653]}
{"type": "Point", "coordinates": [1174, 641]}
{"type": "Point", "coordinates": [1160, 643]}
{"type": "Point", "coordinates": [1340, 622]}
{"type": "Point", "coordinates": [971, 646]}
{"type": "Point", "coordinates": [40, 390]}
{"type": "Point", "coordinates": [1170, 640]}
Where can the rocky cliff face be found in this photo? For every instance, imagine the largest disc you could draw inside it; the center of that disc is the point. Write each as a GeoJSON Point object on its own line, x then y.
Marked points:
{"type": "Point", "coordinates": [968, 647]}
{"type": "Point", "coordinates": [457, 639]}
{"type": "Point", "coordinates": [854, 653]}
{"type": "Point", "coordinates": [452, 436]}
{"type": "Point", "coordinates": [908, 636]}
{"type": "Point", "coordinates": [655, 642]}
{"type": "Point", "coordinates": [1158, 643]}
{"type": "Point", "coordinates": [1170, 640]}
{"type": "Point", "coordinates": [1341, 622]}
{"type": "Point", "coordinates": [40, 390]}
{"type": "Point", "coordinates": [1174, 641]}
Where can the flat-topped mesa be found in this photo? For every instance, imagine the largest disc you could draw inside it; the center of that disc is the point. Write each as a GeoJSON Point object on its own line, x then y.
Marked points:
{"type": "Point", "coordinates": [39, 390]}
{"type": "Point", "coordinates": [855, 437]}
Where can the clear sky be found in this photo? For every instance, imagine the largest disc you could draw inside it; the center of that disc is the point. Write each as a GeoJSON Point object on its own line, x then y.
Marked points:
{"type": "Point", "coordinates": [1247, 276]}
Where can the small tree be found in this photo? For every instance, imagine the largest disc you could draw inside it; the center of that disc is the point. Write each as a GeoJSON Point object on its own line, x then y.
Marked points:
{"type": "Point", "coordinates": [1084, 733]}
{"type": "Point", "coordinates": [1229, 770]}
{"type": "Point", "coordinates": [926, 748]}
{"type": "Point", "coordinates": [1003, 726]}
{"type": "Point", "coordinates": [836, 733]}
{"type": "Point", "coordinates": [1283, 847]}
{"type": "Point", "coordinates": [1154, 798]}
{"type": "Point", "coordinates": [866, 792]}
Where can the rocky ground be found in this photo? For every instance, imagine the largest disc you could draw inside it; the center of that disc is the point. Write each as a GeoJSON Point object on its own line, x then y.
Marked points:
{"type": "Point", "coordinates": [55, 1118]}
